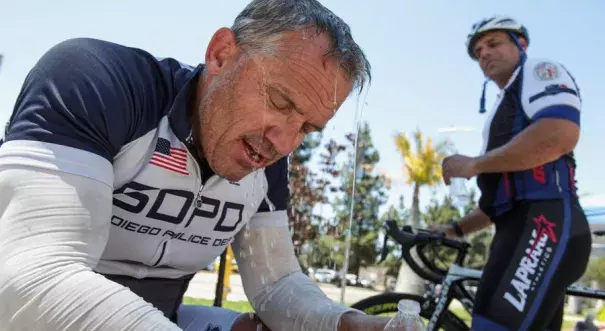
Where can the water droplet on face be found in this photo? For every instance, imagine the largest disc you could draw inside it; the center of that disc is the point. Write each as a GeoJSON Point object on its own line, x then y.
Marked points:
{"type": "Point", "coordinates": [288, 313]}
{"type": "Point", "coordinates": [262, 307]}
{"type": "Point", "coordinates": [252, 264]}
{"type": "Point", "coordinates": [250, 250]}
{"type": "Point", "coordinates": [263, 279]}
{"type": "Point", "coordinates": [272, 243]}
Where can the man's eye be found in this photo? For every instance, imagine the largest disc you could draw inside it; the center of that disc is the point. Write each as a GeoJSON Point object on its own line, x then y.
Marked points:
{"type": "Point", "coordinates": [279, 104]}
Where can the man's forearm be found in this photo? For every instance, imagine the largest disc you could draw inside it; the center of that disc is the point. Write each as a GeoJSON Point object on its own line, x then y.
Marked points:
{"type": "Point", "coordinates": [542, 142]}
{"type": "Point", "coordinates": [474, 221]}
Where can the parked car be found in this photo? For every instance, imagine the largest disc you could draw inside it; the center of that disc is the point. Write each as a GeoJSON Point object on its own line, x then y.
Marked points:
{"type": "Point", "coordinates": [324, 275]}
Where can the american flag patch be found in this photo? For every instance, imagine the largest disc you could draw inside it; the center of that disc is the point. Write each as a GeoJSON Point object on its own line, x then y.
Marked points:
{"type": "Point", "coordinates": [169, 158]}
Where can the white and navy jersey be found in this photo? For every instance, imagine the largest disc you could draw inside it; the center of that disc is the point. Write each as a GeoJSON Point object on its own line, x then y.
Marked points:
{"type": "Point", "coordinates": [93, 102]}
{"type": "Point", "coordinates": [538, 89]}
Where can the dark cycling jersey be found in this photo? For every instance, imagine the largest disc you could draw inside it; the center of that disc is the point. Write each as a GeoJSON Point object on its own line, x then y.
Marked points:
{"type": "Point", "coordinates": [539, 89]}
{"type": "Point", "coordinates": [90, 101]}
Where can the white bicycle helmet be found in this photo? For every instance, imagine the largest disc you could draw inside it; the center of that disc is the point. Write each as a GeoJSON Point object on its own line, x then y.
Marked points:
{"type": "Point", "coordinates": [494, 23]}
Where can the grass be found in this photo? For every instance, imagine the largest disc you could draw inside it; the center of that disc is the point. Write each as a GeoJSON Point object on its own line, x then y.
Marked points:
{"type": "Point", "coordinates": [239, 306]}
{"type": "Point", "coordinates": [244, 307]}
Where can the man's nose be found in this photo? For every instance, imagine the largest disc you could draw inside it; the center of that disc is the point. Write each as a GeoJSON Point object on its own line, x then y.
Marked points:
{"type": "Point", "coordinates": [284, 137]}
{"type": "Point", "coordinates": [485, 54]}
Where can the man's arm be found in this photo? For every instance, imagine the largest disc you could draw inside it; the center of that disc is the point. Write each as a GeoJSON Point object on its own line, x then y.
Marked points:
{"type": "Point", "coordinates": [542, 142]}
{"type": "Point", "coordinates": [283, 297]}
{"type": "Point", "coordinates": [551, 100]}
{"type": "Point", "coordinates": [53, 229]}
{"type": "Point", "coordinates": [474, 221]}
{"type": "Point", "coordinates": [78, 106]}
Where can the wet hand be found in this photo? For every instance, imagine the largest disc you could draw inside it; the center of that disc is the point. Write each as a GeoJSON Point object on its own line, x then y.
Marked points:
{"type": "Point", "coordinates": [460, 166]}
{"type": "Point", "coordinates": [249, 322]}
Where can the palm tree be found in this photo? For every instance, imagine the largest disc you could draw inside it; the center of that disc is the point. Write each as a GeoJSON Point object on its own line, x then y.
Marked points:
{"type": "Point", "coordinates": [422, 168]}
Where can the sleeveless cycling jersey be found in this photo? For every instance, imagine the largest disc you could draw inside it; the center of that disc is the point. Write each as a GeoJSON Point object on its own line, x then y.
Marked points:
{"type": "Point", "coordinates": [171, 215]}
{"type": "Point", "coordinates": [538, 89]}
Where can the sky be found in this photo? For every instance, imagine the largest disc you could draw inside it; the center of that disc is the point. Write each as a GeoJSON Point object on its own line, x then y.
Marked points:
{"type": "Point", "coordinates": [422, 76]}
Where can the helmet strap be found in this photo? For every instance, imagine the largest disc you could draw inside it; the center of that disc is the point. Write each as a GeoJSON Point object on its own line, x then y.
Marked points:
{"type": "Point", "coordinates": [482, 101]}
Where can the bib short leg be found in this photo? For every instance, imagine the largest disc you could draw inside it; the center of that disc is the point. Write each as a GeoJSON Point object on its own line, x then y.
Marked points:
{"type": "Point", "coordinates": [539, 249]}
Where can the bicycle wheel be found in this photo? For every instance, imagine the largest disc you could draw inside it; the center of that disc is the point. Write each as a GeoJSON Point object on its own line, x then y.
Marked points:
{"type": "Point", "coordinates": [387, 303]}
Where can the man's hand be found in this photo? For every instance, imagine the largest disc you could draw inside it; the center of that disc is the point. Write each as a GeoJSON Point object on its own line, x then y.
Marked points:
{"type": "Point", "coordinates": [442, 228]}
{"type": "Point", "coordinates": [249, 322]}
{"type": "Point", "coordinates": [355, 321]}
{"type": "Point", "coordinates": [458, 166]}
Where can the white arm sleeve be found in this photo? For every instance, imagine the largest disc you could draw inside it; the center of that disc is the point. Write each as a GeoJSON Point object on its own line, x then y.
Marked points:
{"type": "Point", "coordinates": [53, 229]}
{"type": "Point", "coordinates": [549, 91]}
{"type": "Point", "coordinates": [282, 296]}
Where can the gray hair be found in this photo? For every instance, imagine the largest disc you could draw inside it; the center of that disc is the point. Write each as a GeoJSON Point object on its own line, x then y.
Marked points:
{"type": "Point", "coordinates": [260, 24]}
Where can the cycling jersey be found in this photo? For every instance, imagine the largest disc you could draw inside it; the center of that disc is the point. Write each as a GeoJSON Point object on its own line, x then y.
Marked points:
{"type": "Point", "coordinates": [538, 89]}
{"type": "Point", "coordinates": [171, 215]}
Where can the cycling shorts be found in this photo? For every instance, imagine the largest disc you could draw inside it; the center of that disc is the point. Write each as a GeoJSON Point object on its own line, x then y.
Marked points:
{"type": "Point", "coordinates": [539, 249]}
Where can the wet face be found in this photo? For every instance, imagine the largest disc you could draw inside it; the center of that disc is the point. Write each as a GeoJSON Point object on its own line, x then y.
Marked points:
{"type": "Point", "coordinates": [498, 55]}
{"type": "Point", "coordinates": [256, 109]}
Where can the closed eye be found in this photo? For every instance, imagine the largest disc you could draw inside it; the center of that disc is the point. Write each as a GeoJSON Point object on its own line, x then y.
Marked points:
{"type": "Point", "coordinates": [278, 100]}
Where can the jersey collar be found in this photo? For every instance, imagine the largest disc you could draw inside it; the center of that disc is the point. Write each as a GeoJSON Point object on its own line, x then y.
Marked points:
{"type": "Point", "coordinates": [184, 83]}
{"type": "Point", "coordinates": [512, 78]}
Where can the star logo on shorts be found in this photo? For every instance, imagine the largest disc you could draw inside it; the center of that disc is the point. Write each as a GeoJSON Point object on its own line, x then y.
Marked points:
{"type": "Point", "coordinates": [213, 328]}
{"type": "Point", "coordinates": [544, 226]}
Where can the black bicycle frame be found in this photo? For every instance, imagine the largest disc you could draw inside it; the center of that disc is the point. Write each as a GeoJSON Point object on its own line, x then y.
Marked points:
{"type": "Point", "coordinates": [453, 279]}
{"type": "Point", "coordinates": [452, 288]}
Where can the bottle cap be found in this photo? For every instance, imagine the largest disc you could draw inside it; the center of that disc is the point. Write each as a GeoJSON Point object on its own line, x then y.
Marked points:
{"type": "Point", "coordinates": [409, 307]}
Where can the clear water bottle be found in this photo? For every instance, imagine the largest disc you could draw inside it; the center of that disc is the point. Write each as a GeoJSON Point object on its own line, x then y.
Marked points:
{"type": "Point", "coordinates": [407, 318]}
{"type": "Point", "coordinates": [459, 192]}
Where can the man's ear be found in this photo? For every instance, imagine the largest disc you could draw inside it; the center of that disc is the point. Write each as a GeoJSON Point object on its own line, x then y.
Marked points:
{"type": "Point", "coordinates": [221, 49]}
{"type": "Point", "coordinates": [523, 43]}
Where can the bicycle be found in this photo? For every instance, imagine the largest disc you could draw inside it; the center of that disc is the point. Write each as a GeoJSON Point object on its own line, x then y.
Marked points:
{"type": "Point", "coordinates": [435, 304]}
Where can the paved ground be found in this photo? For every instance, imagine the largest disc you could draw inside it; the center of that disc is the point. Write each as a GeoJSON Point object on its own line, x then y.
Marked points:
{"type": "Point", "coordinates": [203, 286]}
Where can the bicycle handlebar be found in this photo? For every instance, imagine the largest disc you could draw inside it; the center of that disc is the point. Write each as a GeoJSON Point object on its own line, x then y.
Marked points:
{"type": "Point", "coordinates": [408, 240]}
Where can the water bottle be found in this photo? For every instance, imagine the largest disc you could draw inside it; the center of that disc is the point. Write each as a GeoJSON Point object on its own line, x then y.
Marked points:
{"type": "Point", "coordinates": [407, 318]}
{"type": "Point", "coordinates": [459, 192]}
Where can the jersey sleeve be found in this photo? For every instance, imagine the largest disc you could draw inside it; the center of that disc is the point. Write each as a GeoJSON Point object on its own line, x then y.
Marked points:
{"type": "Point", "coordinates": [81, 102]}
{"type": "Point", "coordinates": [273, 209]}
{"type": "Point", "coordinates": [549, 91]}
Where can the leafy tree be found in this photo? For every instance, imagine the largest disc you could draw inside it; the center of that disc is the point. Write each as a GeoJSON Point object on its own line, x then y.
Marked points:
{"type": "Point", "coordinates": [422, 166]}
{"type": "Point", "coordinates": [304, 194]}
{"type": "Point", "coordinates": [595, 271]}
{"type": "Point", "coordinates": [370, 194]}
{"type": "Point", "coordinates": [308, 189]}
